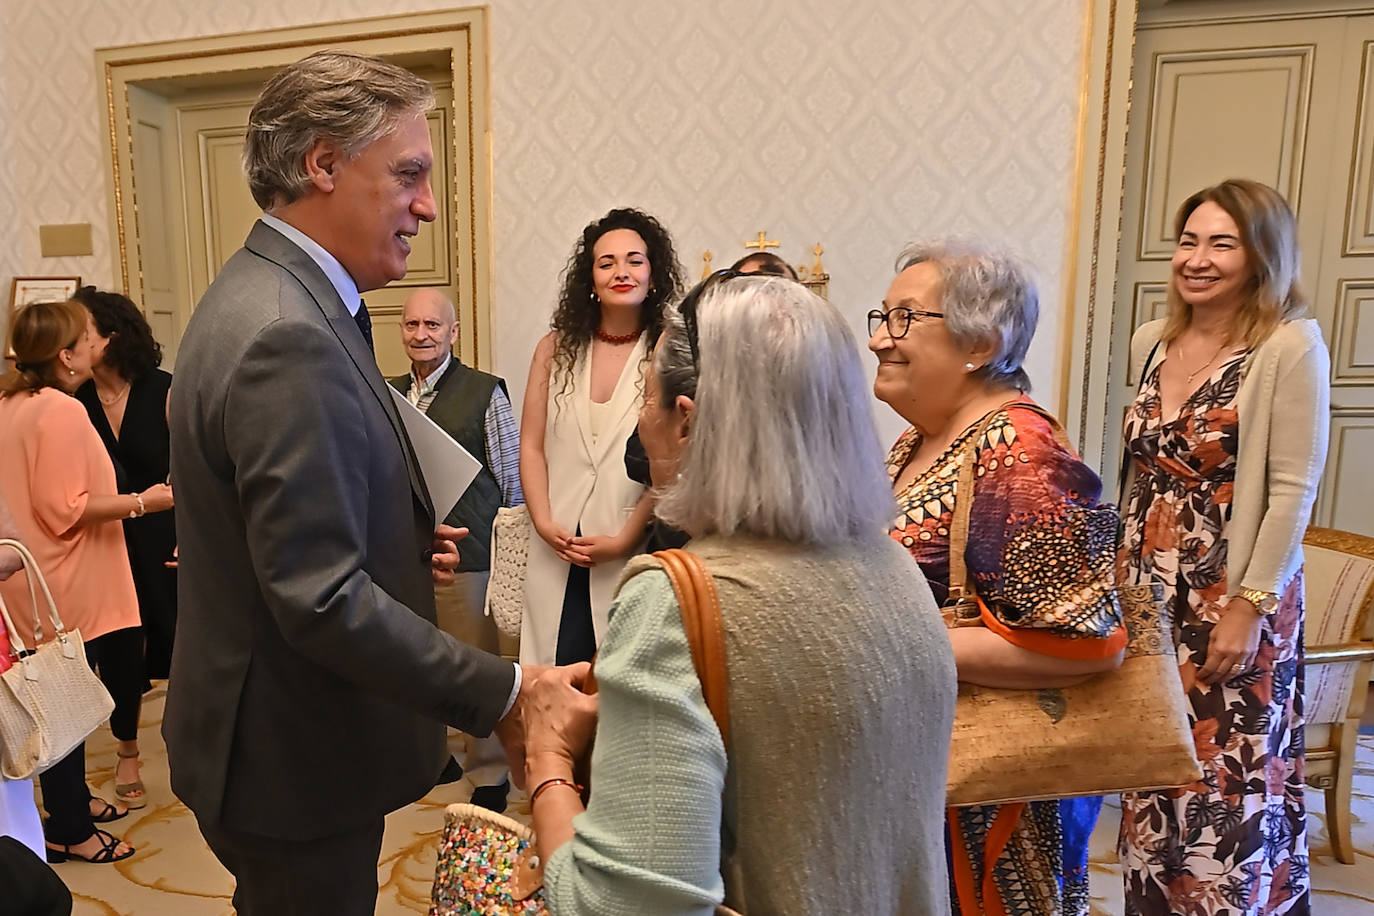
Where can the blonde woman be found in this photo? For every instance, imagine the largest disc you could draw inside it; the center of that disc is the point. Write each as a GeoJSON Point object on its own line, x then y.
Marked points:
{"type": "Point", "coordinates": [1227, 437]}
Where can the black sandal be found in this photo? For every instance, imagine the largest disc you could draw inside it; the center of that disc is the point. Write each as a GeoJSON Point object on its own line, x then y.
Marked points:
{"type": "Point", "coordinates": [108, 813]}
{"type": "Point", "coordinates": [108, 844]}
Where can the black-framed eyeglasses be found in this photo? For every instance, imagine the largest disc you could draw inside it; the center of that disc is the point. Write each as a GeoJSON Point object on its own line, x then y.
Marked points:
{"type": "Point", "coordinates": [688, 307]}
{"type": "Point", "coordinates": [898, 320]}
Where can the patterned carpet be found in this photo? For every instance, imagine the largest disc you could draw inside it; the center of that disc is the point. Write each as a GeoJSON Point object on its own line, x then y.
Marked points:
{"type": "Point", "coordinates": [173, 874]}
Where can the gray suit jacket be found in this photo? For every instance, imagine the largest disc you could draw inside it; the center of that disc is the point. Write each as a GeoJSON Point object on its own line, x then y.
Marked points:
{"type": "Point", "coordinates": [309, 686]}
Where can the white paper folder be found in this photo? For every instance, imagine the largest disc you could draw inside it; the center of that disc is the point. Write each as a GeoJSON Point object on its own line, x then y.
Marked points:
{"type": "Point", "coordinates": [447, 466]}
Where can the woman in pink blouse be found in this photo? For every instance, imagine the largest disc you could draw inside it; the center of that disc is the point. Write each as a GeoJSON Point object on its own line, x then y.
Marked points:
{"type": "Point", "coordinates": [60, 485]}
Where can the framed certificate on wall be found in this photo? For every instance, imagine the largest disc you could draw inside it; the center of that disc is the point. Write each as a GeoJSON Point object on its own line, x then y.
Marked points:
{"type": "Point", "coordinates": [25, 290]}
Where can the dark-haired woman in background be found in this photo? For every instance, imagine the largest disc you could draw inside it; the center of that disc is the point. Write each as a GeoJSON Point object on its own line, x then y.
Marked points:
{"type": "Point", "coordinates": [581, 404]}
{"type": "Point", "coordinates": [126, 398]}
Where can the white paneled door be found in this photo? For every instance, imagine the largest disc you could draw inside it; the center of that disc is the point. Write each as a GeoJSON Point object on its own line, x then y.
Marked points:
{"type": "Point", "coordinates": [1289, 102]}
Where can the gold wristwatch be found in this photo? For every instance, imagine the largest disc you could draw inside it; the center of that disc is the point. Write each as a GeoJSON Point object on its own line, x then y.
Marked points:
{"type": "Point", "coordinates": [1266, 603]}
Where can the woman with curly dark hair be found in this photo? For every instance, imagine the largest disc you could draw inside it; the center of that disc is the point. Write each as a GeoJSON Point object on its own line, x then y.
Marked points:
{"type": "Point", "coordinates": [581, 404]}
{"type": "Point", "coordinates": [126, 399]}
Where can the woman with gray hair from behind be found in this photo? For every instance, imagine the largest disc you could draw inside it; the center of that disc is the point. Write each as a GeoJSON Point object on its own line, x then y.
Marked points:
{"type": "Point", "coordinates": [950, 340]}
{"type": "Point", "coordinates": [840, 681]}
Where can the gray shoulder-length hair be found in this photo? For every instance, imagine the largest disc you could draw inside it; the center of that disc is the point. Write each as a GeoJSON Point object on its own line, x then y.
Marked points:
{"type": "Point", "coordinates": [342, 97]}
{"type": "Point", "coordinates": [782, 441]}
{"type": "Point", "coordinates": [988, 296]}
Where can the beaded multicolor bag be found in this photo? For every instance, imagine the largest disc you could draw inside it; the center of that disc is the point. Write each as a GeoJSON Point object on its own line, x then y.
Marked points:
{"type": "Point", "coordinates": [485, 860]}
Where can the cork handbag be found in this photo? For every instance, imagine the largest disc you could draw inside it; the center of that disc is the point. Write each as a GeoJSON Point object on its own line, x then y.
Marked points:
{"type": "Point", "coordinates": [489, 863]}
{"type": "Point", "coordinates": [50, 699]}
{"type": "Point", "coordinates": [1120, 731]}
{"type": "Point", "coordinates": [510, 549]}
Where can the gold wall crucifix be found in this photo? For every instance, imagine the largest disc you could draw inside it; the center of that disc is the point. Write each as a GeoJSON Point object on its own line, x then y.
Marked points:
{"type": "Point", "coordinates": [762, 243]}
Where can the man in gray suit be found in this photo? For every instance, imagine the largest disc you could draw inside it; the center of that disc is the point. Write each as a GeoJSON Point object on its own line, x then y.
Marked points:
{"type": "Point", "coordinates": [309, 685]}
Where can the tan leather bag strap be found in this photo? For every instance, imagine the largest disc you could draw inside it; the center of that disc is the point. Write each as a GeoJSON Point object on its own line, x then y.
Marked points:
{"type": "Point", "coordinates": [961, 587]}
{"type": "Point", "coordinates": [700, 606]}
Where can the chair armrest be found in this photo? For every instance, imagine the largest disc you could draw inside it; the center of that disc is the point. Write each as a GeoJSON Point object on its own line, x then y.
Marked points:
{"type": "Point", "coordinates": [1350, 652]}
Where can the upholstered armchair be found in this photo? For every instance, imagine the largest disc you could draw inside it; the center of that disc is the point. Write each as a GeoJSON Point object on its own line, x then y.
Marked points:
{"type": "Point", "coordinates": [1339, 575]}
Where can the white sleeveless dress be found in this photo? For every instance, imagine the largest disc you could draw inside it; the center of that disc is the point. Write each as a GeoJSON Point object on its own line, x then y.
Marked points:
{"type": "Point", "coordinates": [588, 487]}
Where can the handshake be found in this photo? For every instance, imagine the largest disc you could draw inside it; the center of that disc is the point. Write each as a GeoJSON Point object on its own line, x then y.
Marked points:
{"type": "Point", "coordinates": [551, 723]}
{"type": "Point", "coordinates": [553, 718]}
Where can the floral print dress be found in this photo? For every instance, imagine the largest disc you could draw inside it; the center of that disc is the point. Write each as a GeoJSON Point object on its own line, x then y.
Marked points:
{"type": "Point", "coordinates": [1234, 842]}
{"type": "Point", "coordinates": [1027, 544]}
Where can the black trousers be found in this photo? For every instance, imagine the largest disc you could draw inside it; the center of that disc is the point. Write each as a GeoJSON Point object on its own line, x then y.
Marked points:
{"type": "Point", "coordinates": [335, 874]}
{"type": "Point", "coordinates": [576, 635]}
{"type": "Point", "coordinates": [67, 800]}
{"type": "Point", "coordinates": [118, 658]}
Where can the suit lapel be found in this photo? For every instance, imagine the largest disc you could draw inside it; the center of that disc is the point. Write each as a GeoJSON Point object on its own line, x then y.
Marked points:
{"type": "Point", "coordinates": [273, 246]}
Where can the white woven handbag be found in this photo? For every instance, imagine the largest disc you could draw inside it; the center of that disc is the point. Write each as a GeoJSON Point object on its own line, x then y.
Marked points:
{"type": "Point", "coordinates": [510, 550]}
{"type": "Point", "coordinates": [50, 700]}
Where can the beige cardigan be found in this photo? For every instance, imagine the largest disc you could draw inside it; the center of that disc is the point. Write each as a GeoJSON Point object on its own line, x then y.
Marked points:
{"type": "Point", "coordinates": [1284, 411]}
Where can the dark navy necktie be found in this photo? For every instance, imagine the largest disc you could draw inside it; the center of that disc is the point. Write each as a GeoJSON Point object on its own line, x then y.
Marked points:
{"type": "Point", "coordinates": [364, 321]}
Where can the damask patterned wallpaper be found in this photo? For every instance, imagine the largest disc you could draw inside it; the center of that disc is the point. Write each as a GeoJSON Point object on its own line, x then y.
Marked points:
{"type": "Point", "coordinates": [858, 124]}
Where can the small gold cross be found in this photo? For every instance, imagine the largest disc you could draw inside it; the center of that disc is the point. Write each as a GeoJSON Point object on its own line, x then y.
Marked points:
{"type": "Point", "coordinates": [762, 242]}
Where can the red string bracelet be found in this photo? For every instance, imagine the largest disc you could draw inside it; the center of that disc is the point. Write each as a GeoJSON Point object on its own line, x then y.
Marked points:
{"type": "Point", "coordinates": [550, 783]}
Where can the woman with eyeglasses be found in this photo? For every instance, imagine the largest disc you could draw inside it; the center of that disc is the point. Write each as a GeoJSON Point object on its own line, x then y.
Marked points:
{"type": "Point", "coordinates": [840, 681]}
{"type": "Point", "coordinates": [950, 340]}
{"type": "Point", "coordinates": [583, 393]}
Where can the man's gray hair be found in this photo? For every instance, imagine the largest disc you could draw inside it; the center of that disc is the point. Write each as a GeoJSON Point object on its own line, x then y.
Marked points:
{"type": "Point", "coordinates": [341, 97]}
{"type": "Point", "coordinates": [782, 442]}
{"type": "Point", "coordinates": [988, 297]}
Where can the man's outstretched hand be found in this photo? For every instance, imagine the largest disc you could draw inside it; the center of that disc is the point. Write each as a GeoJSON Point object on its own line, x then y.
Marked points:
{"type": "Point", "coordinates": [511, 729]}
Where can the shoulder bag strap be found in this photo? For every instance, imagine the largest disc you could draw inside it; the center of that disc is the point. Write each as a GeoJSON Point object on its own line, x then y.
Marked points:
{"type": "Point", "coordinates": [700, 606]}
{"type": "Point", "coordinates": [963, 596]}
{"type": "Point", "coordinates": [34, 576]}
{"type": "Point", "coordinates": [1126, 452]}
{"type": "Point", "coordinates": [1059, 435]}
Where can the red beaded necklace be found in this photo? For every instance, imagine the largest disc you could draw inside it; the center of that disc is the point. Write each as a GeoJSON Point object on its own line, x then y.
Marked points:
{"type": "Point", "coordinates": [616, 338]}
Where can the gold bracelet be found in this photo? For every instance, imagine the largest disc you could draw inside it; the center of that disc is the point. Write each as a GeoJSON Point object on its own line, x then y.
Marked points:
{"type": "Point", "coordinates": [550, 783]}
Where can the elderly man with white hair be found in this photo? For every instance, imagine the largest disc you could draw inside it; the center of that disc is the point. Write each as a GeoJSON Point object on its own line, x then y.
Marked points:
{"type": "Point", "coordinates": [474, 408]}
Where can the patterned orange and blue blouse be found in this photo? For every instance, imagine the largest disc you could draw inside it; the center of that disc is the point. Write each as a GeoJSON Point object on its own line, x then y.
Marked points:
{"type": "Point", "coordinates": [1040, 552]}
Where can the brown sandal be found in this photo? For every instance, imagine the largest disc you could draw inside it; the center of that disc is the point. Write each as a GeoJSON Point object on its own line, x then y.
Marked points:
{"type": "Point", "coordinates": [58, 852]}
{"type": "Point", "coordinates": [122, 789]}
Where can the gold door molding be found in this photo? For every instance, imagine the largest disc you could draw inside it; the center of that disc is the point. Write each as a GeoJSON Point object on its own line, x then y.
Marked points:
{"type": "Point", "coordinates": [1348, 490]}
{"type": "Point", "coordinates": [1095, 220]}
{"type": "Point", "coordinates": [451, 41]}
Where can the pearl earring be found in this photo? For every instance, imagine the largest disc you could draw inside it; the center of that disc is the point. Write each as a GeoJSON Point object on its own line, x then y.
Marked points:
{"type": "Point", "coordinates": [968, 367]}
{"type": "Point", "coordinates": [71, 372]}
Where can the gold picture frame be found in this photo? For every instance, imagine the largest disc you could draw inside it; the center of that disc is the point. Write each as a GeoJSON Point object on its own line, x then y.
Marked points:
{"type": "Point", "coordinates": [26, 290]}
